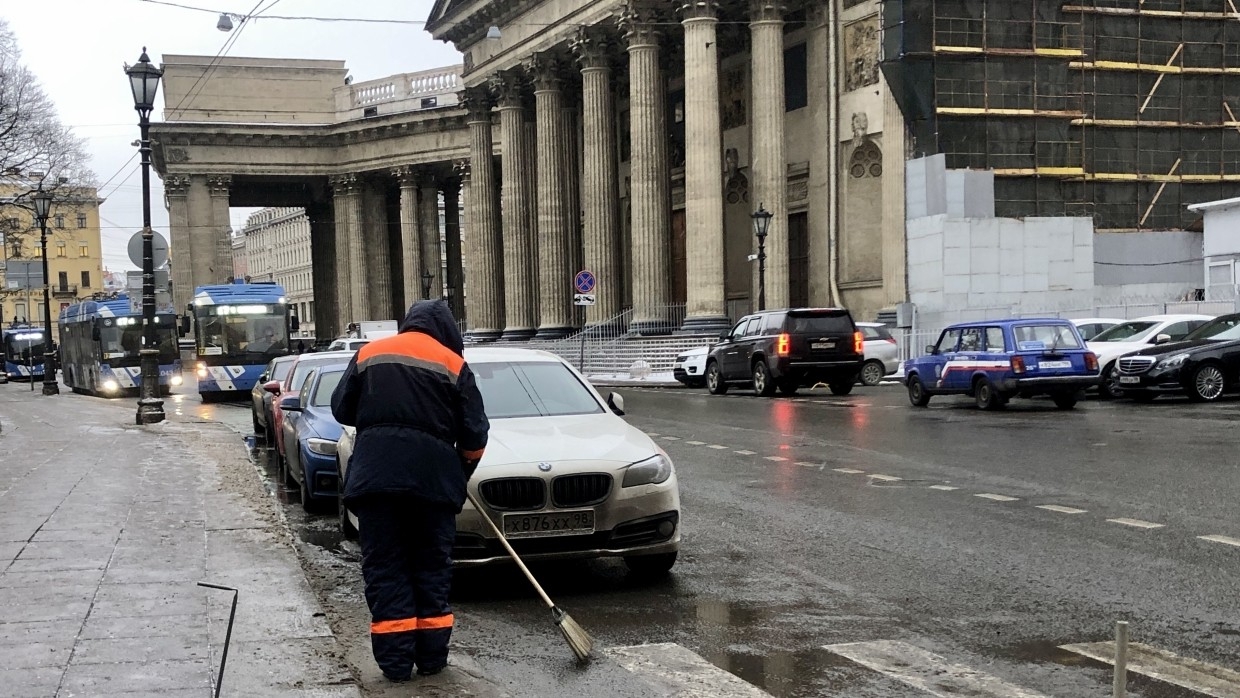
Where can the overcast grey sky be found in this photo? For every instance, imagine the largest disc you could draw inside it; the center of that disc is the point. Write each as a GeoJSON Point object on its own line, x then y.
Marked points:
{"type": "Point", "coordinates": [78, 48]}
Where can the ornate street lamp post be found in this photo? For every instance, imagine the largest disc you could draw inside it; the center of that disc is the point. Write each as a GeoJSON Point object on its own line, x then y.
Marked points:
{"type": "Point", "coordinates": [761, 222]}
{"type": "Point", "coordinates": [144, 81]}
{"type": "Point", "coordinates": [42, 208]}
{"type": "Point", "coordinates": [427, 279]}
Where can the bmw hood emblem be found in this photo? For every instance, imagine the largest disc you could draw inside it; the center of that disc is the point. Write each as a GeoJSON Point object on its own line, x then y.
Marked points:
{"type": "Point", "coordinates": [545, 467]}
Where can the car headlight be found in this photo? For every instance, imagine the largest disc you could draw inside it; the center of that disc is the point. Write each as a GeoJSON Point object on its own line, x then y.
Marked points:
{"type": "Point", "coordinates": [176, 380]}
{"type": "Point", "coordinates": [110, 386]}
{"type": "Point", "coordinates": [323, 447]}
{"type": "Point", "coordinates": [652, 471]}
{"type": "Point", "coordinates": [1173, 361]}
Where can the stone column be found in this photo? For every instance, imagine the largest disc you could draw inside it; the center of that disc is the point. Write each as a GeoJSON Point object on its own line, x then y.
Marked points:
{"type": "Point", "coordinates": [570, 150]}
{"type": "Point", "coordinates": [554, 273]}
{"type": "Point", "coordinates": [704, 231]}
{"type": "Point", "coordinates": [176, 194]}
{"type": "Point", "coordinates": [377, 251]}
{"type": "Point", "coordinates": [351, 291]}
{"type": "Point", "coordinates": [517, 200]}
{"type": "Point", "coordinates": [650, 178]}
{"type": "Point", "coordinates": [824, 142]}
{"type": "Point", "coordinates": [429, 233]}
{"type": "Point", "coordinates": [410, 244]}
{"type": "Point", "coordinates": [213, 265]}
{"type": "Point", "coordinates": [895, 239]}
{"type": "Point", "coordinates": [454, 273]}
{"type": "Point", "coordinates": [601, 195]}
{"type": "Point", "coordinates": [485, 299]}
{"type": "Point", "coordinates": [323, 267]}
{"type": "Point", "coordinates": [769, 161]}
{"type": "Point", "coordinates": [530, 171]}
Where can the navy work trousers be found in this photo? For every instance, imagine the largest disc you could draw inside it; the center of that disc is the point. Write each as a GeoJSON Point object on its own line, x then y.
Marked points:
{"type": "Point", "coordinates": [407, 566]}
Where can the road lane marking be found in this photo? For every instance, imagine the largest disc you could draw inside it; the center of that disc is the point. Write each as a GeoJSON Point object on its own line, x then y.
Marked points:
{"type": "Point", "coordinates": [914, 666]}
{"type": "Point", "coordinates": [997, 497]}
{"type": "Point", "coordinates": [652, 434]}
{"type": "Point", "coordinates": [671, 438]}
{"type": "Point", "coordinates": [1227, 540]}
{"type": "Point", "coordinates": [1060, 509]}
{"type": "Point", "coordinates": [1136, 523]}
{"type": "Point", "coordinates": [745, 453]}
{"type": "Point", "coordinates": [944, 488]}
{"type": "Point", "coordinates": [808, 464]}
{"type": "Point", "coordinates": [696, 443]}
{"type": "Point", "coordinates": [1161, 665]}
{"type": "Point", "coordinates": [848, 471]}
{"type": "Point", "coordinates": [717, 447]}
{"type": "Point", "coordinates": [777, 459]}
{"type": "Point", "coordinates": [681, 672]}
{"type": "Point", "coordinates": [885, 478]}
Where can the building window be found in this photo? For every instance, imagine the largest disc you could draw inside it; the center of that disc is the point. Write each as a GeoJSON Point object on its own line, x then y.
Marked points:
{"type": "Point", "coordinates": [14, 223]}
{"type": "Point", "coordinates": [19, 312]}
{"type": "Point", "coordinates": [17, 249]}
{"type": "Point", "coordinates": [83, 250]}
{"type": "Point", "coordinates": [63, 278]}
{"type": "Point", "coordinates": [81, 220]}
{"type": "Point", "coordinates": [38, 252]}
{"type": "Point", "coordinates": [85, 279]}
{"type": "Point", "coordinates": [796, 78]}
{"type": "Point", "coordinates": [60, 221]}
{"type": "Point", "coordinates": [61, 250]}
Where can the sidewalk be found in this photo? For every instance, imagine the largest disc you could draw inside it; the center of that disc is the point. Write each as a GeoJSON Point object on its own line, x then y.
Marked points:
{"type": "Point", "coordinates": [105, 530]}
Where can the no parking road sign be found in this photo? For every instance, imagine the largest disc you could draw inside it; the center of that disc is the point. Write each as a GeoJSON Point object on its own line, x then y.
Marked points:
{"type": "Point", "coordinates": [584, 282]}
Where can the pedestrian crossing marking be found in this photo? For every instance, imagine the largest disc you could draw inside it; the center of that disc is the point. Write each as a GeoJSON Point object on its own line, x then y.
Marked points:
{"type": "Point", "coordinates": [848, 471]}
{"type": "Point", "coordinates": [671, 438]}
{"type": "Point", "coordinates": [886, 478]}
{"type": "Point", "coordinates": [776, 459]}
{"type": "Point", "coordinates": [997, 497]}
{"type": "Point", "coordinates": [1061, 509]}
{"type": "Point", "coordinates": [696, 443]}
{"type": "Point", "coordinates": [944, 488]}
{"type": "Point", "coordinates": [717, 447]}
{"type": "Point", "coordinates": [746, 453]}
{"type": "Point", "coordinates": [1161, 665]}
{"type": "Point", "coordinates": [1136, 523]}
{"type": "Point", "coordinates": [808, 464]}
{"type": "Point", "coordinates": [916, 667]}
{"type": "Point", "coordinates": [1227, 540]}
{"type": "Point", "coordinates": [676, 671]}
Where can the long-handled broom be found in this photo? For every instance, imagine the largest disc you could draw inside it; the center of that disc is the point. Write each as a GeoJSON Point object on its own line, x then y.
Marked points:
{"type": "Point", "coordinates": [578, 639]}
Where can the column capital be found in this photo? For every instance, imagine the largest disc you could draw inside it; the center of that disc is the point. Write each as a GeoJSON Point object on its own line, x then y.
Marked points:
{"type": "Point", "coordinates": [345, 183]}
{"type": "Point", "coordinates": [510, 88]}
{"type": "Point", "coordinates": [639, 23]}
{"type": "Point", "coordinates": [478, 102]}
{"type": "Point", "coordinates": [767, 10]}
{"type": "Point", "coordinates": [547, 71]}
{"type": "Point", "coordinates": [463, 169]}
{"type": "Point", "coordinates": [176, 185]}
{"type": "Point", "coordinates": [406, 175]}
{"type": "Point", "coordinates": [219, 184]}
{"type": "Point", "coordinates": [816, 13]}
{"type": "Point", "coordinates": [593, 48]}
{"type": "Point", "coordinates": [699, 9]}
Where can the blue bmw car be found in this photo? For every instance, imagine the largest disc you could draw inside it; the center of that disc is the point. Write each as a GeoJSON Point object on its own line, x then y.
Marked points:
{"type": "Point", "coordinates": [308, 423]}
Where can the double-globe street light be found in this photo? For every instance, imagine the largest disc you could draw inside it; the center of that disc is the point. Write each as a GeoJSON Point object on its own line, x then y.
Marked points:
{"type": "Point", "coordinates": [43, 208]}
{"type": "Point", "coordinates": [427, 279]}
{"type": "Point", "coordinates": [761, 223]}
{"type": "Point", "coordinates": [144, 81]}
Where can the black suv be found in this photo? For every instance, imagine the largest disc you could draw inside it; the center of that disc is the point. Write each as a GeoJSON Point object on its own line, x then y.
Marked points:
{"type": "Point", "coordinates": [788, 350]}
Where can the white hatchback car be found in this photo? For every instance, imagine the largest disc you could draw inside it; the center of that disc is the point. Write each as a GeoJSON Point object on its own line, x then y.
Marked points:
{"type": "Point", "coordinates": [563, 475]}
{"type": "Point", "coordinates": [882, 353]}
{"type": "Point", "coordinates": [1134, 335]}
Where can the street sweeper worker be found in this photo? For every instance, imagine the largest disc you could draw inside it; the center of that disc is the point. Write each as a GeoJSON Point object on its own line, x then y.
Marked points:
{"type": "Point", "coordinates": [421, 431]}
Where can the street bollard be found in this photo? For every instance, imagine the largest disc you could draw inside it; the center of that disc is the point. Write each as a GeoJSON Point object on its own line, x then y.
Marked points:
{"type": "Point", "coordinates": [232, 615]}
{"type": "Point", "coordinates": [1119, 687]}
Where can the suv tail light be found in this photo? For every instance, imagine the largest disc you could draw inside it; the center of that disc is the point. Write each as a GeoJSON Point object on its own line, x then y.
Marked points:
{"type": "Point", "coordinates": [858, 343]}
{"type": "Point", "coordinates": [891, 340]}
{"type": "Point", "coordinates": [1091, 362]}
{"type": "Point", "coordinates": [783, 345]}
{"type": "Point", "coordinates": [1018, 364]}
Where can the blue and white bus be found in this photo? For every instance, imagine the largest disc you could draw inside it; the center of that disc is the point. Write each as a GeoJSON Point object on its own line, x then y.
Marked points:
{"type": "Point", "coordinates": [100, 343]}
{"type": "Point", "coordinates": [238, 328]}
{"type": "Point", "coordinates": [23, 348]}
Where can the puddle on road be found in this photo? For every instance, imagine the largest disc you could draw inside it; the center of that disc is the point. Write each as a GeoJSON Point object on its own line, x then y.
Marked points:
{"type": "Point", "coordinates": [320, 530]}
{"type": "Point", "coordinates": [1040, 651]}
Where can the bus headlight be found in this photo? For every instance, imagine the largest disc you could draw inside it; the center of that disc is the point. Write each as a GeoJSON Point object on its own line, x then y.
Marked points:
{"type": "Point", "coordinates": [202, 370]}
{"type": "Point", "coordinates": [176, 380]}
{"type": "Point", "coordinates": [111, 386]}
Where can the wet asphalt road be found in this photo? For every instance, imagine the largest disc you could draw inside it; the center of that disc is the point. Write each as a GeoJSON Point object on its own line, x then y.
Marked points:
{"type": "Point", "coordinates": [784, 554]}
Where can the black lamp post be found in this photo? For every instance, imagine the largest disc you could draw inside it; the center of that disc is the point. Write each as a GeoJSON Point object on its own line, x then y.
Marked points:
{"type": "Point", "coordinates": [427, 279]}
{"type": "Point", "coordinates": [761, 222]}
{"type": "Point", "coordinates": [144, 81]}
{"type": "Point", "coordinates": [43, 207]}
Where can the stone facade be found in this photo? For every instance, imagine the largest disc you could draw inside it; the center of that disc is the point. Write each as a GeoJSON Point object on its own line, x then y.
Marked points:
{"type": "Point", "coordinates": [277, 248]}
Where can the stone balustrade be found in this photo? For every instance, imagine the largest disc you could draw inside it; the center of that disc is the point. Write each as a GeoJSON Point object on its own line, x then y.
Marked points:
{"type": "Point", "coordinates": [399, 93]}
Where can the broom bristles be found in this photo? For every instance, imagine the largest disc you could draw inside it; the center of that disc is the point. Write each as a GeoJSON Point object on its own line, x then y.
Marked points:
{"type": "Point", "coordinates": [579, 641]}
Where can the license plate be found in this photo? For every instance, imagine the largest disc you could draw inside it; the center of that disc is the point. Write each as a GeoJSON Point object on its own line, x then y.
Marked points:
{"type": "Point", "coordinates": [822, 345]}
{"type": "Point", "coordinates": [1128, 380]}
{"type": "Point", "coordinates": [558, 523]}
{"type": "Point", "coordinates": [1054, 364]}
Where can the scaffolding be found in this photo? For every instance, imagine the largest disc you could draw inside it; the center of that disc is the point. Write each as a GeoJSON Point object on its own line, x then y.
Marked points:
{"type": "Point", "coordinates": [1125, 110]}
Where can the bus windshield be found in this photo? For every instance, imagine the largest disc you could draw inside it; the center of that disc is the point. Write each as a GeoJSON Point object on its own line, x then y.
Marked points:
{"type": "Point", "coordinates": [236, 330]}
{"type": "Point", "coordinates": [25, 348]}
{"type": "Point", "coordinates": [124, 340]}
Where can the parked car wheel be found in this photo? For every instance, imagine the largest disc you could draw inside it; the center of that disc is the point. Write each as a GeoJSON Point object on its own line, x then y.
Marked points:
{"type": "Point", "coordinates": [308, 501]}
{"type": "Point", "coordinates": [1109, 386]}
{"type": "Point", "coordinates": [988, 398]}
{"type": "Point", "coordinates": [1208, 383]}
{"type": "Point", "coordinates": [762, 383]}
{"type": "Point", "coordinates": [1065, 401]}
{"type": "Point", "coordinates": [917, 394]}
{"type": "Point", "coordinates": [258, 428]}
{"type": "Point", "coordinates": [841, 387]}
{"type": "Point", "coordinates": [650, 565]}
{"type": "Point", "coordinates": [872, 373]}
{"type": "Point", "coordinates": [715, 384]}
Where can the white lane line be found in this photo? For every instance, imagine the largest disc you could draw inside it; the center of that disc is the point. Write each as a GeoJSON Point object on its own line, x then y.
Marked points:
{"type": "Point", "coordinates": [848, 471]}
{"type": "Point", "coordinates": [680, 672]}
{"type": "Point", "coordinates": [652, 435]}
{"type": "Point", "coordinates": [1136, 523]}
{"type": "Point", "coordinates": [944, 488]}
{"type": "Point", "coordinates": [777, 459]}
{"type": "Point", "coordinates": [1227, 540]}
{"type": "Point", "coordinates": [1161, 665]}
{"type": "Point", "coordinates": [997, 497]}
{"type": "Point", "coordinates": [696, 443]}
{"type": "Point", "coordinates": [885, 478]}
{"type": "Point", "coordinates": [809, 464]}
{"type": "Point", "coordinates": [1061, 510]}
{"type": "Point", "coordinates": [717, 447]}
{"type": "Point", "coordinates": [671, 438]}
{"type": "Point", "coordinates": [929, 672]}
{"type": "Point", "coordinates": [745, 453]}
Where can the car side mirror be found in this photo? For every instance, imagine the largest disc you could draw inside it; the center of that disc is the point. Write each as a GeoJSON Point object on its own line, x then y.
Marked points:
{"type": "Point", "coordinates": [272, 387]}
{"type": "Point", "coordinates": [931, 350]}
{"type": "Point", "coordinates": [725, 336]}
{"type": "Point", "coordinates": [291, 403]}
{"type": "Point", "coordinates": [1162, 339]}
{"type": "Point", "coordinates": [616, 403]}
{"type": "Point", "coordinates": [184, 325]}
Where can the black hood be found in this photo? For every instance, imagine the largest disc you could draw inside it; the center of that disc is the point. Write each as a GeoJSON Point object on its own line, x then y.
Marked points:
{"type": "Point", "coordinates": [1176, 347]}
{"type": "Point", "coordinates": [435, 319]}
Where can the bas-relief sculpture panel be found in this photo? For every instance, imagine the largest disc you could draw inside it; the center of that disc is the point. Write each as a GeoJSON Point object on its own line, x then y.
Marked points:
{"type": "Point", "coordinates": [732, 95]}
{"type": "Point", "coordinates": [861, 52]}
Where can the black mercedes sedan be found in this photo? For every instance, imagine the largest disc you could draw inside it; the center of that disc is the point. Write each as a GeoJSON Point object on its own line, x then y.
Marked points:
{"type": "Point", "coordinates": [1203, 366]}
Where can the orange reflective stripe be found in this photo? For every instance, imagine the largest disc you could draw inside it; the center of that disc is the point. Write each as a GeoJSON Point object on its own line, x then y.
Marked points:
{"type": "Point", "coordinates": [381, 627]}
{"type": "Point", "coordinates": [473, 455]}
{"type": "Point", "coordinates": [413, 345]}
{"type": "Point", "coordinates": [436, 623]}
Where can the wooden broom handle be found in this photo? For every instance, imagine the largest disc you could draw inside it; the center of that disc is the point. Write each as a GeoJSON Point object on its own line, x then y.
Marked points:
{"type": "Point", "coordinates": [515, 558]}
